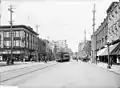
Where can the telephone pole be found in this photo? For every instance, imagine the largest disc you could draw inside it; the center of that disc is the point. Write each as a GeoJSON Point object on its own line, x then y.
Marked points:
{"type": "Point", "coordinates": [11, 24]}
{"type": "Point", "coordinates": [0, 11]}
{"type": "Point", "coordinates": [95, 37]}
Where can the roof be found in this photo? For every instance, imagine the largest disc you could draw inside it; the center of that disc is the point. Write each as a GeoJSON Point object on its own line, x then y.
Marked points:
{"type": "Point", "coordinates": [111, 6]}
{"type": "Point", "coordinates": [20, 26]}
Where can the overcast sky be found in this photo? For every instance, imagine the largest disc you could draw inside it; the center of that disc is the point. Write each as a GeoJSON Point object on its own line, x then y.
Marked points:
{"type": "Point", "coordinates": [58, 19]}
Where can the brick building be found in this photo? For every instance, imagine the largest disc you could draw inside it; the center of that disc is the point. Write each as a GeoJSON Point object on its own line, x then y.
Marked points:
{"type": "Point", "coordinates": [113, 13]}
{"type": "Point", "coordinates": [108, 35]}
{"type": "Point", "coordinates": [24, 42]}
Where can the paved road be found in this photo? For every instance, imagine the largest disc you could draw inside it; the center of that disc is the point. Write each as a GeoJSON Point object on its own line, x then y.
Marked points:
{"type": "Point", "coordinates": [68, 75]}
{"type": "Point", "coordinates": [12, 72]}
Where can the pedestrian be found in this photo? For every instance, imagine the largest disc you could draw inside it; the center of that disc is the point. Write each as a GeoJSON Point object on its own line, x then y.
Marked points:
{"type": "Point", "coordinates": [111, 62]}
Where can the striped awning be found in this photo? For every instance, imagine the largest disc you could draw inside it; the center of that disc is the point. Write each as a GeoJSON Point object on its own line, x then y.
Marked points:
{"type": "Point", "coordinates": [100, 52]}
{"type": "Point", "coordinates": [111, 49]}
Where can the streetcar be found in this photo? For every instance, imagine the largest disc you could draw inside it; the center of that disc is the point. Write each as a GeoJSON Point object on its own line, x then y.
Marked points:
{"type": "Point", "coordinates": [63, 56]}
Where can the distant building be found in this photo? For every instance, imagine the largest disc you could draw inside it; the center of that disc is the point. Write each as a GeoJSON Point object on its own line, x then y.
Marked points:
{"type": "Point", "coordinates": [84, 49]}
{"type": "Point", "coordinates": [61, 45]}
{"type": "Point", "coordinates": [80, 50]}
{"type": "Point", "coordinates": [87, 48]}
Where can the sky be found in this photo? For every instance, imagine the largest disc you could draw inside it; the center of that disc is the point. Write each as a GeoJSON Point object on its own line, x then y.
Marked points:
{"type": "Point", "coordinates": [57, 19]}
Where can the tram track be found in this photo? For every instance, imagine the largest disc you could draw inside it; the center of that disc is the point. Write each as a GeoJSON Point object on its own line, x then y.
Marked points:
{"type": "Point", "coordinates": [12, 74]}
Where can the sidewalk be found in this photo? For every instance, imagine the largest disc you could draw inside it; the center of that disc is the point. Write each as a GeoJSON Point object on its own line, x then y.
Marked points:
{"type": "Point", "coordinates": [3, 63]}
{"type": "Point", "coordinates": [114, 68]}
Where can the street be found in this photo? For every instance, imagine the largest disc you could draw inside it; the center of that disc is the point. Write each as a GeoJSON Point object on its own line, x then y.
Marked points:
{"type": "Point", "coordinates": [71, 74]}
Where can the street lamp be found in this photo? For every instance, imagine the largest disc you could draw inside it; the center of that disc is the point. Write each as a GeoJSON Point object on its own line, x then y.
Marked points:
{"type": "Point", "coordinates": [108, 44]}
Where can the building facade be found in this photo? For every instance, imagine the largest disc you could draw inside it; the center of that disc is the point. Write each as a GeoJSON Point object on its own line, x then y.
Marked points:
{"type": "Point", "coordinates": [113, 13]}
{"type": "Point", "coordinates": [102, 34]}
{"type": "Point", "coordinates": [24, 42]}
{"type": "Point", "coordinates": [108, 35]}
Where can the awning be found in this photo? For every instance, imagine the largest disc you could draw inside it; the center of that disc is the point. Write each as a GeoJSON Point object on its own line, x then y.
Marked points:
{"type": "Point", "coordinates": [111, 48]}
{"type": "Point", "coordinates": [116, 51]}
{"type": "Point", "coordinates": [99, 53]}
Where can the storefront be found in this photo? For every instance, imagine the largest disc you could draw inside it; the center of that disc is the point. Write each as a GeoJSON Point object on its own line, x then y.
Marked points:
{"type": "Point", "coordinates": [114, 50]}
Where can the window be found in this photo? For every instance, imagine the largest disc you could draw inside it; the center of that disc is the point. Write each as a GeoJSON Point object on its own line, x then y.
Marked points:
{"type": "Point", "coordinates": [17, 43]}
{"type": "Point", "coordinates": [22, 34]}
{"type": "Point", "coordinates": [14, 43]}
{"type": "Point", "coordinates": [17, 34]}
{"type": "Point", "coordinates": [116, 28]}
{"type": "Point", "coordinates": [106, 37]}
{"type": "Point", "coordinates": [102, 39]}
{"type": "Point", "coordinates": [14, 34]}
{"type": "Point", "coordinates": [110, 18]}
{"type": "Point", "coordinates": [7, 43]}
{"type": "Point", "coordinates": [6, 34]}
{"type": "Point", "coordinates": [112, 15]}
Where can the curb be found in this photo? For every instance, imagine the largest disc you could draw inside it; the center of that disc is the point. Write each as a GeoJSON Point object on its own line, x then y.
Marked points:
{"type": "Point", "coordinates": [104, 68]}
{"type": "Point", "coordinates": [109, 70]}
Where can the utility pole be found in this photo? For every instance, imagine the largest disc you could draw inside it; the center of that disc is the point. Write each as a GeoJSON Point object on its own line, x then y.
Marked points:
{"type": "Point", "coordinates": [94, 19]}
{"type": "Point", "coordinates": [37, 44]}
{"type": "Point", "coordinates": [0, 11]}
{"type": "Point", "coordinates": [95, 50]}
{"type": "Point", "coordinates": [11, 34]}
